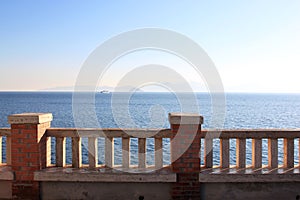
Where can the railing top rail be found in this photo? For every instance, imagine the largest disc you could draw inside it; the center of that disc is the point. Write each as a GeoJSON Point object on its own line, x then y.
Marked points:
{"type": "Point", "coordinates": [108, 132]}
{"type": "Point", "coordinates": [5, 132]}
{"type": "Point", "coordinates": [251, 133]}
{"type": "Point", "coordinates": [166, 133]}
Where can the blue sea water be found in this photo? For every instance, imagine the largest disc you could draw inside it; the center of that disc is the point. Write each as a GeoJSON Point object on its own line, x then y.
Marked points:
{"type": "Point", "coordinates": [242, 111]}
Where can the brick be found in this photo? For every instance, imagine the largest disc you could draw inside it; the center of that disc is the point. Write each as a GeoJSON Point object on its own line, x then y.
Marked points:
{"type": "Point", "coordinates": [31, 126]}
{"type": "Point", "coordinates": [31, 149]}
{"type": "Point", "coordinates": [25, 190]}
{"type": "Point", "coordinates": [18, 126]}
{"type": "Point", "coordinates": [26, 177]}
{"type": "Point", "coordinates": [31, 132]}
{"type": "Point", "coordinates": [30, 140]}
{"type": "Point", "coordinates": [31, 162]}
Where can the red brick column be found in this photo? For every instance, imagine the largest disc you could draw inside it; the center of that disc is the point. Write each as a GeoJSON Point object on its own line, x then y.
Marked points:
{"type": "Point", "coordinates": [29, 152]}
{"type": "Point", "coordinates": [185, 149]}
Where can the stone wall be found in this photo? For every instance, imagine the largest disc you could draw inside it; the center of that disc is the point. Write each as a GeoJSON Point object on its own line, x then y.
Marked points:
{"type": "Point", "coordinates": [250, 191]}
{"type": "Point", "coordinates": [162, 191]}
{"type": "Point", "coordinates": [110, 191]}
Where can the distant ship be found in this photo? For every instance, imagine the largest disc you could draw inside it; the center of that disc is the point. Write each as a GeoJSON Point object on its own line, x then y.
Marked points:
{"type": "Point", "coordinates": [104, 91]}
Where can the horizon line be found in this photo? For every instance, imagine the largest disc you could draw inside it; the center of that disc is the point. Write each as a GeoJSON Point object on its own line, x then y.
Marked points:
{"type": "Point", "coordinates": [226, 92]}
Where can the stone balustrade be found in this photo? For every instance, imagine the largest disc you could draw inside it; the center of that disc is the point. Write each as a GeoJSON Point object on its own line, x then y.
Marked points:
{"type": "Point", "coordinates": [28, 168]}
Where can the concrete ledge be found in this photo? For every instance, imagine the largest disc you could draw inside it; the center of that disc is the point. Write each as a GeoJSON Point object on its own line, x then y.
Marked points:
{"type": "Point", "coordinates": [30, 118]}
{"type": "Point", "coordinates": [100, 175]}
{"type": "Point", "coordinates": [6, 174]}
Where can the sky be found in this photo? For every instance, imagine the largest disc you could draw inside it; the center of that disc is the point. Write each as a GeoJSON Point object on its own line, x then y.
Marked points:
{"type": "Point", "coordinates": [255, 45]}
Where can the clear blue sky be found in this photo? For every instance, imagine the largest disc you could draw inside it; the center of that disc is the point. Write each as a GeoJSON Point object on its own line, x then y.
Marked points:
{"type": "Point", "coordinates": [255, 45]}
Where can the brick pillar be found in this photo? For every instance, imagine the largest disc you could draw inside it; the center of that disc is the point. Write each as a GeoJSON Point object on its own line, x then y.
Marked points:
{"type": "Point", "coordinates": [30, 150]}
{"type": "Point", "coordinates": [185, 150]}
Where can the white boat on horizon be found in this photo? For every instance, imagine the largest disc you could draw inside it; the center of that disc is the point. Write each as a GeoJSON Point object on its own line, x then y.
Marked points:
{"type": "Point", "coordinates": [104, 92]}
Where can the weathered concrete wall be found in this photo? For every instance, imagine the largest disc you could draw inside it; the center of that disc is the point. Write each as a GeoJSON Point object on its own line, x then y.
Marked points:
{"type": "Point", "coordinates": [5, 189]}
{"type": "Point", "coordinates": [250, 191]}
{"type": "Point", "coordinates": [162, 191]}
{"type": "Point", "coordinates": [110, 191]}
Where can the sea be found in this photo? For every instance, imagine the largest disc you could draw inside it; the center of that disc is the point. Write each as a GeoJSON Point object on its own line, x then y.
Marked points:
{"type": "Point", "coordinates": [150, 110]}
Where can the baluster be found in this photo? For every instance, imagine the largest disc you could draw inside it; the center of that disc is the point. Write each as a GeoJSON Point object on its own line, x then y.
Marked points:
{"type": "Point", "coordinates": [224, 153]}
{"type": "Point", "coordinates": [288, 160]}
{"type": "Point", "coordinates": [299, 151]}
{"type": "Point", "coordinates": [0, 150]}
{"type": "Point", "coordinates": [241, 153]}
{"type": "Point", "coordinates": [109, 152]}
{"type": "Point", "coordinates": [8, 150]}
{"type": "Point", "coordinates": [256, 153]}
{"type": "Point", "coordinates": [142, 152]}
{"type": "Point", "coordinates": [126, 152]}
{"type": "Point", "coordinates": [76, 152]}
{"type": "Point", "coordinates": [208, 152]}
{"type": "Point", "coordinates": [158, 153]}
{"type": "Point", "coordinates": [47, 152]}
{"type": "Point", "coordinates": [60, 151]}
{"type": "Point", "coordinates": [272, 153]}
{"type": "Point", "coordinates": [93, 152]}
